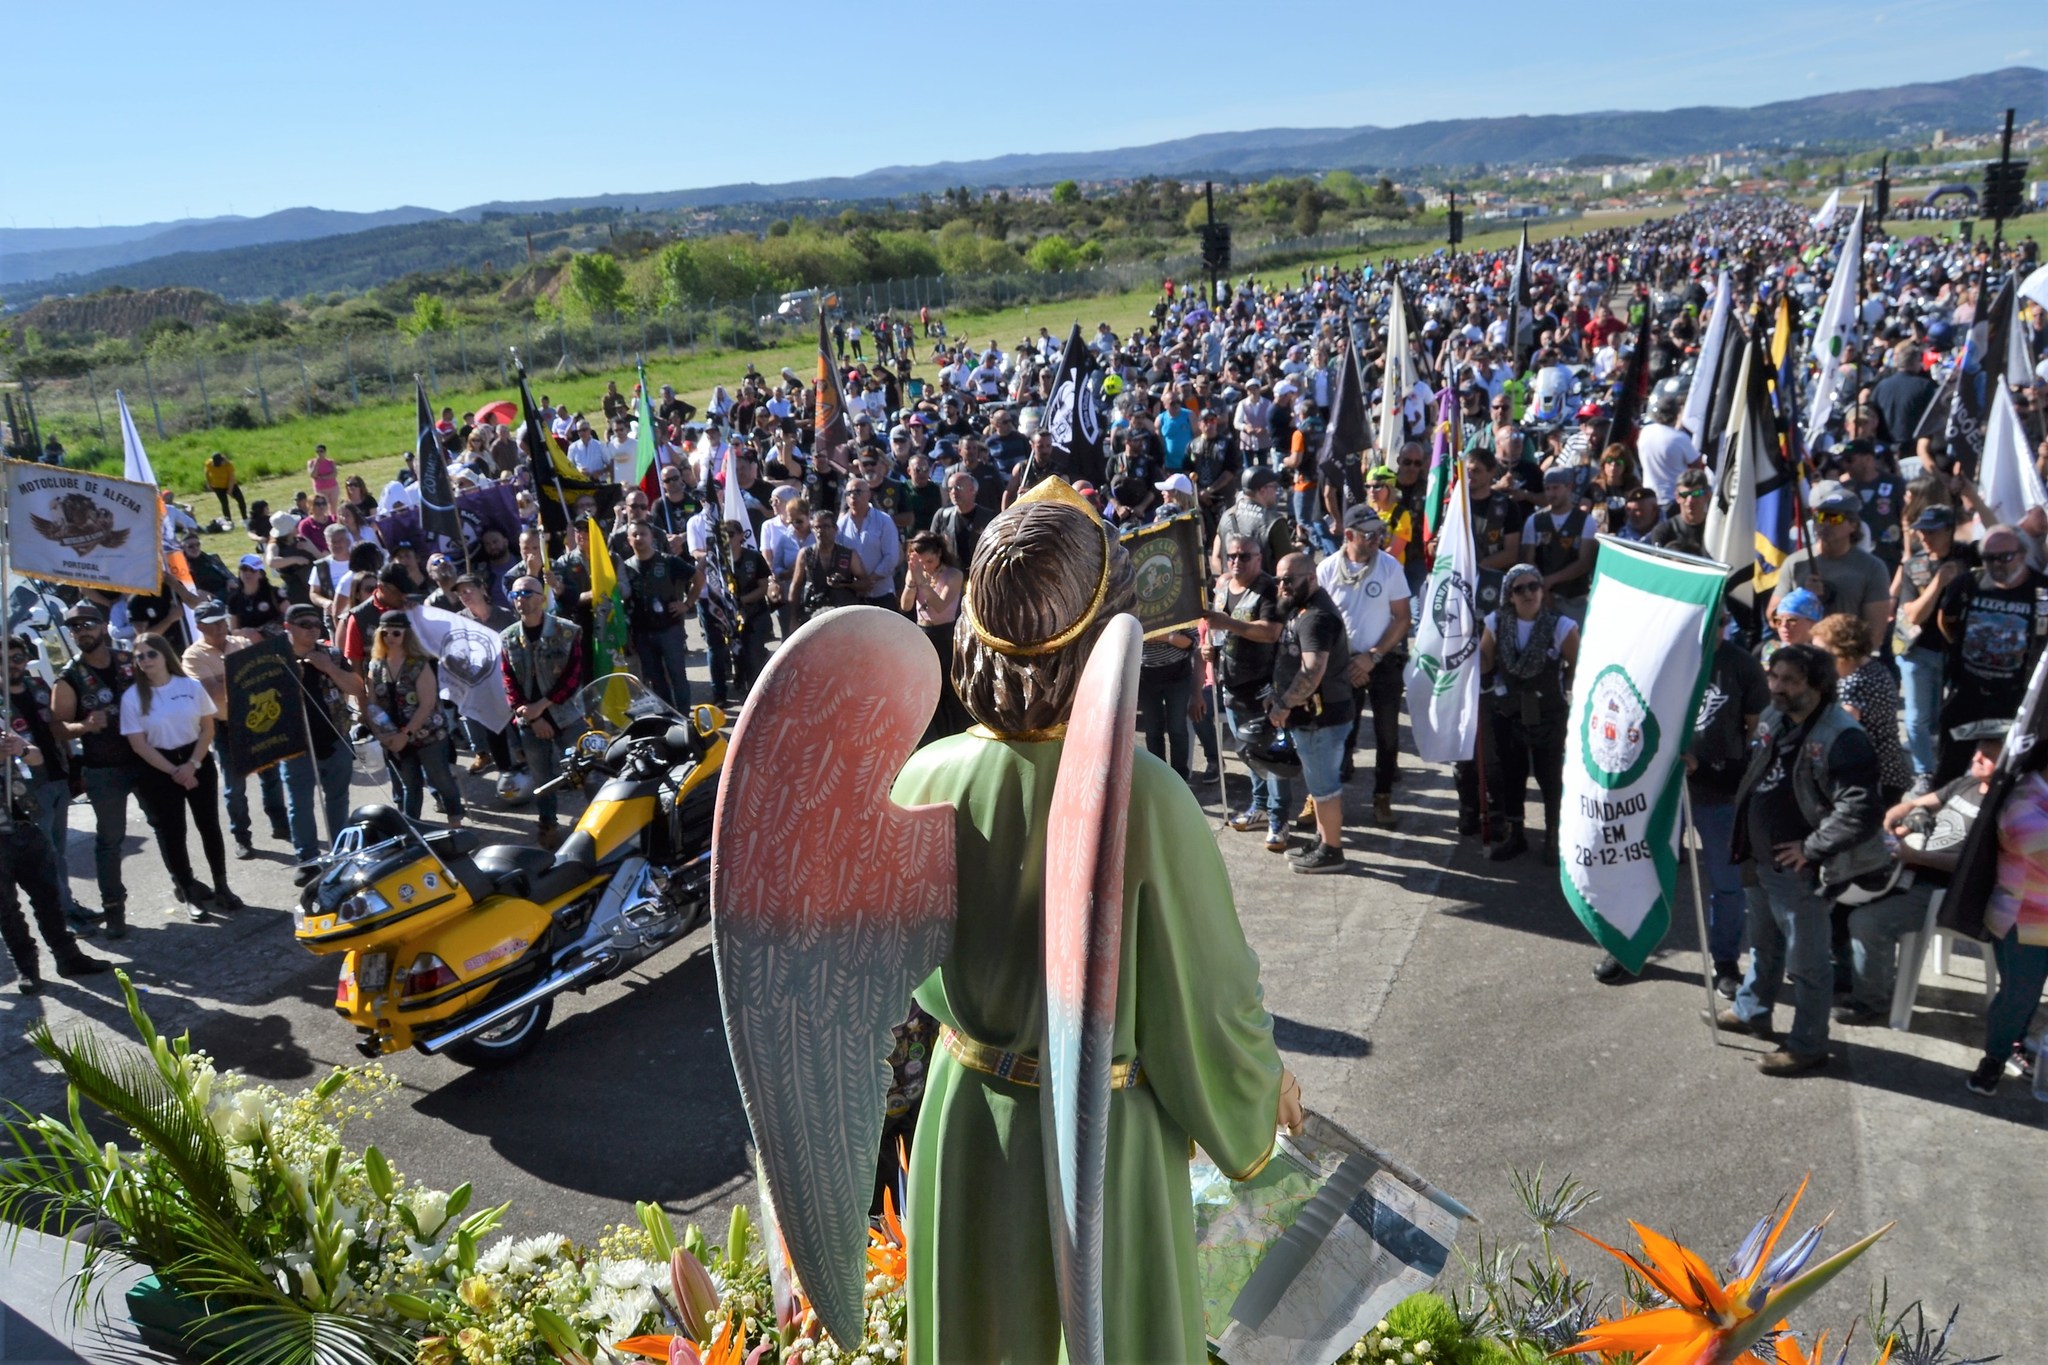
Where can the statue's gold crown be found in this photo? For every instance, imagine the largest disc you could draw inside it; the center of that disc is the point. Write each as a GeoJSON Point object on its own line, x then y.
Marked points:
{"type": "Point", "coordinates": [1053, 489]}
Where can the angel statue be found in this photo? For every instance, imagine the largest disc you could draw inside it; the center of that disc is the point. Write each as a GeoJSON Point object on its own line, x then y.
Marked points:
{"type": "Point", "coordinates": [1055, 899]}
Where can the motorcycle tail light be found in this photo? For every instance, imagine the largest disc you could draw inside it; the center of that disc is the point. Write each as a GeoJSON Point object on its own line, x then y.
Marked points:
{"type": "Point", "coordinates": [424, 974]}
{"type": "Point", "coordinates": [344, 985]}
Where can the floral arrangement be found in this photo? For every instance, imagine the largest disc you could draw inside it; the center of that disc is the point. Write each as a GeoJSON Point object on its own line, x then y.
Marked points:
{"type": "Point", "coordinates": [291, 1249]}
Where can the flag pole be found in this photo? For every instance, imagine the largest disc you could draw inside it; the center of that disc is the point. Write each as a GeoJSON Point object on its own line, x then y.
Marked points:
{"type": "Point", "coordinates": [1693, 844]}
{"type": "Point", "coordinates": [7, 662]}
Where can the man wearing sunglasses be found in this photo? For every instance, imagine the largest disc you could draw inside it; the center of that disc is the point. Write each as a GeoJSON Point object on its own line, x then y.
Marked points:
{"type": "Point", "coordinates": [543, 667]}
{"type": "Point", "coordinates": [1845, 578]}
{"type": "Point", "coordinates": [1995, 620]}
{"type": "Point", "coordinates": [1686, 532]}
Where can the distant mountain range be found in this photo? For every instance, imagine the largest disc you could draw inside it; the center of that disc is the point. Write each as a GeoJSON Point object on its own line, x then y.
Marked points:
{"type": "Point", "coordinates": [38, 261]}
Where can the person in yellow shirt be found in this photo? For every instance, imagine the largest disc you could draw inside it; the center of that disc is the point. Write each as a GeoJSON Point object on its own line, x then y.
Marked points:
{"type": "Point", "coordinates": [220, 478]}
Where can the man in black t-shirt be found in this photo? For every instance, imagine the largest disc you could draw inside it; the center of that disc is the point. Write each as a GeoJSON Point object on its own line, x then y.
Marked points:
{"type": "Point", "coordinates": [1995, 621]}
{"type": "Point", "coordinates": [1244, 628]}
{"type": "Point", "coordinates": [1312, 700]}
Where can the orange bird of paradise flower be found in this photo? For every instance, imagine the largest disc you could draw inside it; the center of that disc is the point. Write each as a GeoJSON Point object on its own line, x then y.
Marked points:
{"type": "Point", "coordinates": [886, 1253]}
{"type": "Point", "coordinates": [725, 1348]}
{"type": "Point", "coordinates": [1707, 1322]}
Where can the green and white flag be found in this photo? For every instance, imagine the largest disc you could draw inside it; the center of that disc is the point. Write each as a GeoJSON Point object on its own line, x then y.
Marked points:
{"type": "Point", "coordinates": [1443, 675]}
{"type": "Point", "coordinates": [1643, 662]}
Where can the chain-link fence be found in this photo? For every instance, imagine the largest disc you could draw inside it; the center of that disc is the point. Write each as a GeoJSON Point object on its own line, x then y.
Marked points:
{"type": "Point", "coordinates": [171, 391]}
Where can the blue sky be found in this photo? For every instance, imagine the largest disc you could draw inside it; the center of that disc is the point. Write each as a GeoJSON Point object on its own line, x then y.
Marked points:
{"type": "Point", "coordinates": [127, 112]}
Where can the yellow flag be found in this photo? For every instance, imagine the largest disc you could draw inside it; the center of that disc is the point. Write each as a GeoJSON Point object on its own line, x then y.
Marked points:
{"type": "Point", "coordinates": [609, 624]}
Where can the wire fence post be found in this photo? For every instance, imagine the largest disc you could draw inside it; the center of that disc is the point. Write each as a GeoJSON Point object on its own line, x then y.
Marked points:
{"type": "Point", "coordinates": [355, 394]}
{"type": "Point", "coordinates": [155, 411]}
{"type": "Point", "coordinates": [390, 375]}
{"type": "Point", "coordinates": [562, 322]}
{"type": "Point", "coordinates": [305, 380]}
{"type": "Point", "coordinates": [262, 394]}
{"type": "Point", "coordinates": [98, 420]}
{"type": "Point", "coordinates": [205, 400]}
{"type": "Point", "coordinates": [498, 345]}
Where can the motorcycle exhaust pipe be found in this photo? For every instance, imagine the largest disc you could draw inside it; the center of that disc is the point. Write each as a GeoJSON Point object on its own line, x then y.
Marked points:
{"type": "Point", "coordinates": [532, 995]}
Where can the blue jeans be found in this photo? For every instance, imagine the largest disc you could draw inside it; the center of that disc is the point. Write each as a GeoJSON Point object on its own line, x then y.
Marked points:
{"type": "Point", "coordinates": [1322, 758]}
{"type": "Point", "coordinates": [53, 813]}
{"type": "Point", "coordinates": [1269, 784]}
{"type": "Point", "coordinates": [664, 664]}
{"type": "Point", "coordinates": [420, 764]}
{"type": "Point", "coordinates": [2022, 971]}
{"type": "Point", "coordinates": [235, 790]}
{"type": "Point", "coordinates": [1874, 931]}
{"type": "Point", "coordinates": [1920, 691]}
{"type": "Point", "coordinates": [544, 764]}
{"type": "Point", "coordinates": [1790, 931]}
{"type": "Point", "coordinates": [1715, 821]}
{"type": "Point", "coordinates": [1163, 713]}
{"type": "Point", "coordinates": [333, 775]}
{"type": "Point", "coordinates": [108, 789]}
{"type": "Point", "coordinates": [1308, 515]}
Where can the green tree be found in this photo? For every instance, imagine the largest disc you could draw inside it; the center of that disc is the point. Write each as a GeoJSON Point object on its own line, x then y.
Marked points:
{"type": "Point", "coordinates": [1308, 211]}
{"type": "Point", "coordinates": [429, 314]}
{"type": "Point", "coordinates": [1052, 253]}
{"type": "Point", "coordinates": [779, 228]}
{"type": "Point", "coordinates": [598, 282]}
{"type": "Point", "coordinates": [1066, 192]}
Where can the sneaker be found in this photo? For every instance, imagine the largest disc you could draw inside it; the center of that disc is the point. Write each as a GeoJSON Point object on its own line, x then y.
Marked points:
{"type": "Point", "coordinates": [281, 833]}
{"type": "Point", "coordinates": [1984, 1080]}
{"type": "Point", "coordinates": [1785, 1062]}
{"type": "Point", "coordinates": [81, 927]}
{"type": "Point", "coordinates": [244, 851]}
{"type": "Point", "coordinates": [196, 913]}
{"type": "Point", "coordinates": [29, 985]}
{"type": "Point", "coordinates": [1246, 819]}
{"type": "Point", "coordinates": [1728, 1021]}
{"type": "Point", "coordinates": [1307, 818]}
{"type": "Point", "coordinates": [307, 872]}
{"type": "Point", "coordinates": [1276, 840]}
{"type": "Point", "coordinates": [1513, 846]}
{"type": "Point", "coordinates": [481, 763]}
{"type": "Point", "coordinates": [1922, 785]}
{"type": "Point", "coordinates": [1859, 1015]}
{"type": "Point", "coordinates": [1727, 980]}
{"type": "Point", "coordinates": [225, 899]}
{"type": "Point", "coordinates": [1323, 859]}
{"type": "Point", "coordinates": [1608, 969]}
{"type": "Point", "coordinates": [1383, 810]}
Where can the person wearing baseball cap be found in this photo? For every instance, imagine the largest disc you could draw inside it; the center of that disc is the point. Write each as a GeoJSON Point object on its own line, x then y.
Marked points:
{"type": "Point", "coordinates": [1256, 516]}
{"type": "Point", "coordinates": [1843, 576]}
{"type": "Point", "coordinates": [1371, 594]}
{"type": "Point", "coordinates": [254, 603]}
{"type": "Point", "coordinates": [1934, 559]}
{"type": "Point", "coordinates": [317, 783]}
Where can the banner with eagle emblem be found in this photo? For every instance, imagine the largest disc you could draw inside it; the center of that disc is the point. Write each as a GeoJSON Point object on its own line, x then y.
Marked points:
{"type": "Point", "coordinates": [67, 526]}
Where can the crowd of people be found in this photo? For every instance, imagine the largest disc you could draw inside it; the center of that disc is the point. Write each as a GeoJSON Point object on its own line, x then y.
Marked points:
{"type": "Point", "coordinates": [1865, 692]}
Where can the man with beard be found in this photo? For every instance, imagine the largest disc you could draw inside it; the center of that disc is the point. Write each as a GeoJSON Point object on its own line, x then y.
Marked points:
{"type": "Point", "coordinates": [86, 706]}
{"type": "Point", "coordinates": [48, 785]}
{"type": "Point", "coordinates": [1312, 701]}
{"type": "Point", "coordinates": [1995, 620]}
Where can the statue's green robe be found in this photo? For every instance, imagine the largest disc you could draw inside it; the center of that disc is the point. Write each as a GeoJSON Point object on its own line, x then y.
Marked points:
{"type": "Point", "coordinates": [1188, 1007]}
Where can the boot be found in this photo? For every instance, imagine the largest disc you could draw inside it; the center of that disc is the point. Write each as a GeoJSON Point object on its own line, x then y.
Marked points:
{"type": "Point", "coordinates": [1512, 845]}
{"type": "Point", "coordinates": [117, 921]}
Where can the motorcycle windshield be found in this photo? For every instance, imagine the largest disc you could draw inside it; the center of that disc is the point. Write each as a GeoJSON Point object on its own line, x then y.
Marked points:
{"type": "Point", "coordinates": [616, 700]}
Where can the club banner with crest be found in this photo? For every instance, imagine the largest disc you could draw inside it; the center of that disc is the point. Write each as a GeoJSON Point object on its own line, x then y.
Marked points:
{"type": "Point", "coordinates": [1166, 557]}
{"type": "Point", "coordinates": [266, 720]}
{"type": "Point", "coordinates": [1643, 663]}
{"type": "Point", "coordinates": [67, 526]}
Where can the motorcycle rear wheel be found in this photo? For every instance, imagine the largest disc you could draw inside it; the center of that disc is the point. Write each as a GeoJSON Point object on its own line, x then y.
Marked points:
{"type": "Point", "coordinates": [506, 1041]}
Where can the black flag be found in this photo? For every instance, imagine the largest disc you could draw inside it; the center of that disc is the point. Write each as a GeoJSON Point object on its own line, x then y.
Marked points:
{"type": "Point", "coordinates": [1518, 303]}
{"type": "Point", "coordinates": [1978, 373]}
{"type": "Point", "coordinates": [557, 484]}
{"type": "Point", "coordinates": [1073, 415]}
{"type": "Point", "coordinates": [1976, 873]}
{"type": "Point", "coordinates": [1635, 388]}
{"type": "Point", "coordinates": [437, 492]}
{"type": "Point", "coordinates": [1349, 432]}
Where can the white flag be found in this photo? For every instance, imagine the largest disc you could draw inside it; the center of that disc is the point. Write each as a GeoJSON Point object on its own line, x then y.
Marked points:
{"type": "Point", "coordinates": [1397, 379]}
{"type": "Point", "coordinates": [1831, 334]}
{"type": "Point", "coordinates": [1642, 666]}
{"type": "Point", "coordinates": [1699, 399]}
{"type": "Point", "coordinates": [2008, 480]}
{"type": "Point", "coordinates": [67, 526]}
{"type": "Point", "coordinates": [1825, 219]}
{"type": "Point", "coordinates": [1443, 674]}
{"type": "Point", "coordinates": [467, 654]}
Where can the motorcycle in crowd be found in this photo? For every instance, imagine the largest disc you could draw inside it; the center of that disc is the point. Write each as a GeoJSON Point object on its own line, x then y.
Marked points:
{"type": "Point", "coordinates": [457, 949]}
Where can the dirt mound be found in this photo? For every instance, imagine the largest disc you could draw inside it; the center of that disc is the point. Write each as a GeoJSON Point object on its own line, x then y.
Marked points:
{"type": "Point", "coordinates": [120, 313]}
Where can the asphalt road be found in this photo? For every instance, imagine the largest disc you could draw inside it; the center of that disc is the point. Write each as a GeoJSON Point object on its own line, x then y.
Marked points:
{"type": "Point", "coordinates": [1438, 1004]}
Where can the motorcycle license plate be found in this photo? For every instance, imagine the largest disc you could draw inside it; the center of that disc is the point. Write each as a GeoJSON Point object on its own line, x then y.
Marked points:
{"type": "Point", "coordinates": [373, 971]}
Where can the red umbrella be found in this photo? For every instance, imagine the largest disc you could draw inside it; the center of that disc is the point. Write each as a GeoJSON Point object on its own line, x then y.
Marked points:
{"type": "Point", "coordinates": [502, 413]}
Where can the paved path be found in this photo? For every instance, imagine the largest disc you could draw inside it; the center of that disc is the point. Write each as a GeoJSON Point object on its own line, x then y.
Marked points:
{"type": "Point", "coordinates": [1438, 1004]}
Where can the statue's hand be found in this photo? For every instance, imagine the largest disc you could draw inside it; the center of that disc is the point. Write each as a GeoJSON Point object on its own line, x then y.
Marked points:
{"type": "Point", "coordinates": [1290, 1116]}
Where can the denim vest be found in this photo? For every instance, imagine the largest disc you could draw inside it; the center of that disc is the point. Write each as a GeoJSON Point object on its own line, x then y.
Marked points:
{"type": "Point", "coordinates": [539, 665]}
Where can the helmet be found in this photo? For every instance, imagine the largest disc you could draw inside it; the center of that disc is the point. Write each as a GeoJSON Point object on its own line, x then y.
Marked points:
{"type": "Point", "coordinates": [515, 788]}
{"type": "Point", "coordinates": [1112, 385]}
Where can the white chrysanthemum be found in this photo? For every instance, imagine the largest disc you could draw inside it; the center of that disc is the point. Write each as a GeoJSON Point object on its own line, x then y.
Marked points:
{"type": "Point", "coordinates": [531, 1253]}
{"type": "Point", "coordinates": [496, 1258]}
{"type": "Point", "coordinates": [631, 1273]}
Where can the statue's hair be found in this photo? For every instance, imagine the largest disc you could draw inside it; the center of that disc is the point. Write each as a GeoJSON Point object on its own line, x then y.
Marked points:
{"type": "Point", "coordinates": [1035, 572]}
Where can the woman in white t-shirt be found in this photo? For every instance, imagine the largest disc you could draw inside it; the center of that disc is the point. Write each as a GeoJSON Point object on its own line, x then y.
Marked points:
{"type": "Point", "coordinates": [1530, 650]}
{"type": "Point", "coordinates": [169, 721]}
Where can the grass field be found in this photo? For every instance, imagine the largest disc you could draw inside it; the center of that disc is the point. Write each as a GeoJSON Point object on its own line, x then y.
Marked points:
{"type": "Point", "coordinates": [370, 440]}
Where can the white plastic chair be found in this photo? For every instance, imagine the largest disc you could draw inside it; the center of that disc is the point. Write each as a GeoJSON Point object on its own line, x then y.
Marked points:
{"type": "Point", "coordinates": [1913, 949]}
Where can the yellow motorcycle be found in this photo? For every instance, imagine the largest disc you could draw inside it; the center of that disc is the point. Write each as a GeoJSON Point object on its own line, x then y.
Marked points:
{"type": "Point", "coordinates": [453, 948]}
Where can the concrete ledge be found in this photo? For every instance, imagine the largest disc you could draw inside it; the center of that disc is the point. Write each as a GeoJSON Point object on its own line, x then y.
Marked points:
{"type": "Point", "coordinates": [36, 1326]}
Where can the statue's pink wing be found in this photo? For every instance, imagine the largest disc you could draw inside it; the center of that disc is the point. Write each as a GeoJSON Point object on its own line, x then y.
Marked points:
{"type": "Point", "coordinates": [829, 905]}
{"type": "Point", "coordinates": [1084, 909]}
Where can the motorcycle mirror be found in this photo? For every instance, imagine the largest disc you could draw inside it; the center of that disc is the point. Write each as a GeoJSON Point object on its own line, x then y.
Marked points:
{"type": "Point", "coordinates": [709, 719]}
{"type": "Point", "coordinates": [593, 744]}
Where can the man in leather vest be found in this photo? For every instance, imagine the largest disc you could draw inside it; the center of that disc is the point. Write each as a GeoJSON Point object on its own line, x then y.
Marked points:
{"type": "Point", "coordinates": [543, 666]}
{"type": "Point", "coordinates": [1807, 817]}
{"type": "Point", "coordinates": [86, 706]}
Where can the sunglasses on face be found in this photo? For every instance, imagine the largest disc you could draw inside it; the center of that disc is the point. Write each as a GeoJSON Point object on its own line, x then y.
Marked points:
{"type": "Point", "coordinates": [147, 654]}
{"type": "Point", "coordinates": [1830, 518]}
{"type": "Point", "coordinates": [1237, 555]}
{"type": "Point", "coordinates": [391, 632]}
{"type": "Point", "coordinates": [1692, 493]}
{"type": "Point", "coordinates": [2006, 558]}
{"type": "Point", "coordinates": [518, 593]}
{"type": "Point", "coordinates": [1525, 590]}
